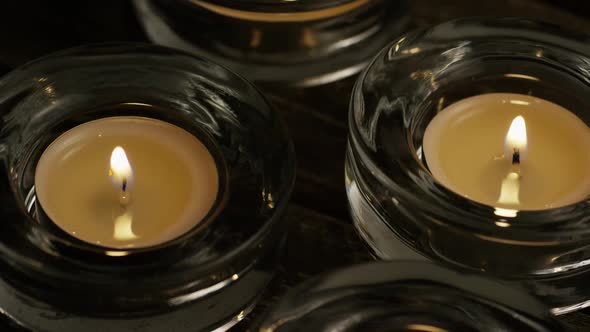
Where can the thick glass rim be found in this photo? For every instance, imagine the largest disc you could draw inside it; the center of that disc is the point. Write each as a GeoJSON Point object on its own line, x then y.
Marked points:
{"type": "Point", "coordinates": [317, 296]}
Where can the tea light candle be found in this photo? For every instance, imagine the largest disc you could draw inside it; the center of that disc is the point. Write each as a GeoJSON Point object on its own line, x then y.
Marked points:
{"type": "Point", "coordinates": [510, 151]}
{"type": "Point", "coordinates": [126, 182]}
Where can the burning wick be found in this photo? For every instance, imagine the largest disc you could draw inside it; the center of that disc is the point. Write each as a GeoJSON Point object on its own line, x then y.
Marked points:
{"type": "Point", "coordinates": [516, 158]}
{"type": "Point", "coordinates": [121, 174]}
{"type": "Point", "coordinates": [515, 145]}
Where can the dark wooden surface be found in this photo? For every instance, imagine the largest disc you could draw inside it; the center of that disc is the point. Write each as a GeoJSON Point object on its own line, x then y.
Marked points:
{"type": "Point", "coordinates": [321, 237]}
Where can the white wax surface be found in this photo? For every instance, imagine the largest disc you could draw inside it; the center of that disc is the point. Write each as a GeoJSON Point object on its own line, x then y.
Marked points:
{"type": "Point", "coordinates": [175, 182]}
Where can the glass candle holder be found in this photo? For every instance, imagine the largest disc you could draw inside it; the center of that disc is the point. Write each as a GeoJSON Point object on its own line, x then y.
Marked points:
{"type": "Point", "coordinates": [407, 296]}
{"type": "Point", "coordinates": [208, 278]}
{"type": "Point", "coordinates": [401, 210]}
{"type": "Point", "coordinates": [293, 42]}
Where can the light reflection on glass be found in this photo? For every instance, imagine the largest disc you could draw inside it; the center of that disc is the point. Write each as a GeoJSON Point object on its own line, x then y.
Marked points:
{"type": "Point", "coordinates": [521, 76]}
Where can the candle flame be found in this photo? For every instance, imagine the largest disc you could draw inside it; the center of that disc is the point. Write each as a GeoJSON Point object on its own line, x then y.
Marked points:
{"type": "Point", "coordinates": [120, 172]}
{"type": "Point", "coordinates": [515, 144]}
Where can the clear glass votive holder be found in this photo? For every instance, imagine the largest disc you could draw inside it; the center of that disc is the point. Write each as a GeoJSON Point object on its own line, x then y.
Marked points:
{"type": "Point", "coordinates": [206, 279]}
{"type": "Point", "coordinates": [402, 211]}
{"type": "Point", "coordinates": [303, 42]}
{"type": "Point", "coordinates": [407, 296]}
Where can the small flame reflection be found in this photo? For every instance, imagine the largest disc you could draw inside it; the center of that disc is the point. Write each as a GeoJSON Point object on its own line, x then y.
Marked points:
{"type": "Point", "coordinates": [123, 230]}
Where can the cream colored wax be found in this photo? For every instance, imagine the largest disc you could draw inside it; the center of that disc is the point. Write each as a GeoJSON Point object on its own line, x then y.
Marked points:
{"type": "Point", "coordinates": [465, 150]}
{"type": "Point", "coordinates": [172, 182]}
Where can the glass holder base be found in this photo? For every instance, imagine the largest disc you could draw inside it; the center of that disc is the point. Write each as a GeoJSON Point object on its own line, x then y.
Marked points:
{"type": "Point", "coordinates": [562, 292]}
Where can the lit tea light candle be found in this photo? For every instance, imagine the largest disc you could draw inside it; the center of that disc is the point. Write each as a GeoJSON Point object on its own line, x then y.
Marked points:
{"type": "Point", "coordinates": [126, 182]}
{"type": "Point", "coordinates": [510, 151]}
{"type": "Point", "coordinates": [514, 151]}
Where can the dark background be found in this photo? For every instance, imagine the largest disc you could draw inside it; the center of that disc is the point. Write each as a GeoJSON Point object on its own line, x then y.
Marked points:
{"type": "Point", "coordinates": [321, 236]}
